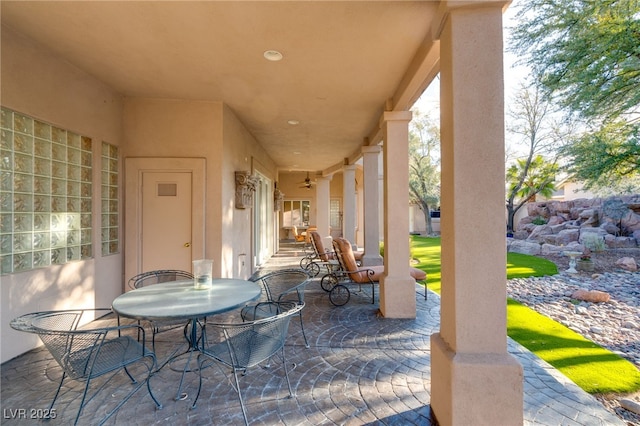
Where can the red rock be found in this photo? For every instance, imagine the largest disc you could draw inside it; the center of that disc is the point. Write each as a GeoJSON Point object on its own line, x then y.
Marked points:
{"type": "Point", "coordinates": [591, 295]}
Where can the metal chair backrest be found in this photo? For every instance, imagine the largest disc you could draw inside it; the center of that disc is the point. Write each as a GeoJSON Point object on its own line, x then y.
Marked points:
{"type": "Point", "coordinates": [248, 344]}
{"type": "Point", "coordinates": [253, 342]}
{"type": "Point", "coordinates": [285, 284]}
{"type": "Point", "coordinates": [88, 351]}
{"type": "Point", "coordinates": [158, 276]}
{"type": "Point", "coordinates": [75, 351]}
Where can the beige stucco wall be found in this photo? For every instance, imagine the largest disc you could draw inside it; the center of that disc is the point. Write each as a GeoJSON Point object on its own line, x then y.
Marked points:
{"type": "Point", "coordinates": [240, 152]}
{"type": "Point", "coordinates": [37, 83]}
{"type": "Point", "coordinates": [180, 128]}
{"type": "Point", "coordinates": [209, 130]}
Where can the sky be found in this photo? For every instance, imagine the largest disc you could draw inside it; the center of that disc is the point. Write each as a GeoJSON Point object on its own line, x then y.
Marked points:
{"type": "Point", "coordinates": [513, 75]}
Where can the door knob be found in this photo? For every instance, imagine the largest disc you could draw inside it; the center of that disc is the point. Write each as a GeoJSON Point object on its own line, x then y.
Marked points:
{"type": "Point", "coordinates": [187, 244]}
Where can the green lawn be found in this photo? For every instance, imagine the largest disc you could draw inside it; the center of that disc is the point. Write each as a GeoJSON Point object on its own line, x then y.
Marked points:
{"type": "Point", "coordinates": [593, 368]}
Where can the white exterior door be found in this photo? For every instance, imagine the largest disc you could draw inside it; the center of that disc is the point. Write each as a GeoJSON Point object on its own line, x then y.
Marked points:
{"type": "Point", "coordinates": [164, 214]}
{"type": "Point", "coordinates": [166, 220]}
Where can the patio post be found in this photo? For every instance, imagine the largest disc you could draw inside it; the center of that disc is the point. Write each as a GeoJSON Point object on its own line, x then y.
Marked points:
{"type": "Point", "coordinates": [397, 287]}
{"type": "Point", "coordinates": [349, 203]}
{"type": "Point", "coordinates": [371, 211]}
{"type": "Point", "coordinates": [323, 196]}
{"type": "Point", "coordinates": [474, 378]}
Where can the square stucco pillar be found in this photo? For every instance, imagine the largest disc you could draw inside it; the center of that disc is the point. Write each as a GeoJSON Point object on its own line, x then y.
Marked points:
{"type": "Point", "coordinates": [323, 206]}
{"type": "Point", "coordinates": [349, 203]}
{"type": "Point", "coordinates": [397, 287]}
{"type": "Point", "coordinates": [474, 379]}
{"type": "Point", "coordinates": [371, 210]}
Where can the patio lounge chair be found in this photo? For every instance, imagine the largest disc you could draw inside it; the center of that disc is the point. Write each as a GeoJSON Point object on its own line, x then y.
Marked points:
{"type": "Point", "coordinates": [334, 282]}
{"type": "Point", "coordinates": [298, 237]}
{"type": "Point", "coordinates": [86, 352]}
{"type": "Point", "coordinates": [247, 344]}
{"type": "Point", "coordinates": [307, 234]}
{"type": "Point", "coordinates": [279, 286]}
{"type": "Point", "coordinates": [319, 258]}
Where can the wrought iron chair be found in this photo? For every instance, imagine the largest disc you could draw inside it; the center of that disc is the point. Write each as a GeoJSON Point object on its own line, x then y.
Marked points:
{"type": "Point", "coordinates": [279, 286]}
{"type": "Point", "coordinates": [156, 277]}
{"type": "Point", "coordinates": [86, 352]}
{"type": "Point", "coordinates": [245, 345]}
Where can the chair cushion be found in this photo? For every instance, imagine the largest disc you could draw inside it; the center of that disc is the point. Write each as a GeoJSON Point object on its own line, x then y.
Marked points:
{"type": "Point", "coordinates": [307, 236]}
{"type": "Point", "coordinates": [322, 253]}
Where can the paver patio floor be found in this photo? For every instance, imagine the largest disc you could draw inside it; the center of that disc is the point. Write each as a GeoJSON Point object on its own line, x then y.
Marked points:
{"type": "Point", "coordinates": [359, 369]}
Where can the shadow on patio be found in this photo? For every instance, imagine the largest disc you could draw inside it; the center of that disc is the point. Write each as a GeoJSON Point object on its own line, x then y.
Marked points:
{"type": "Point", "coordinates": [360, 369]}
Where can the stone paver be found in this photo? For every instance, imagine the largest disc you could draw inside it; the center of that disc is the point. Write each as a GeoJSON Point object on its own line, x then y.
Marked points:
{"type": "Point", "coordinates": [360, 369]}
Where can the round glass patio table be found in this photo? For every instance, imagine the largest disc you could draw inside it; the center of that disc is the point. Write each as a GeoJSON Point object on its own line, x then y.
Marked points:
{"type": "Point", "coordinates": [178, 300]}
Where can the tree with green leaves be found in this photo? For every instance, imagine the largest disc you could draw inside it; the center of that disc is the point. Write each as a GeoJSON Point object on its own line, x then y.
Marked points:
{"type": "Point", "coordinates": [586, 56]}
{"type": "Point", "coordinates": [532, 125]}
{"type": "Point", "coordinates": [424, 164]}
{"type": "Point", "coordinates": [525, 180]}
{"type": "Point", "coordinates": [606, 159]}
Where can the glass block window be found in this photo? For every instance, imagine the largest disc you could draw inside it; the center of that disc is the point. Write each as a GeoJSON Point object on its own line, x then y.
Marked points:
{"type": "Point", "coordinates": [335, 215]}
{"type": "Point", "coordinates": [45, 194]}
{"type": "Point", "coordinates": [109, 229]}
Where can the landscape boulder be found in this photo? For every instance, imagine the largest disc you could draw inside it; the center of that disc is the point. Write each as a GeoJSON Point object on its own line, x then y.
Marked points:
{"type": "Point", "coordinates": [627, 263]}
{"type": "Point", "coordinates": [594, 296]}
{"type": "Point", "coordinates": [524, 247]}
{"type": "Point", "coordinates": [615, 220]}
{"type": "Point", "coordinates": [539, 231]}
{"type": "Point", "coordinates": [631, 221]}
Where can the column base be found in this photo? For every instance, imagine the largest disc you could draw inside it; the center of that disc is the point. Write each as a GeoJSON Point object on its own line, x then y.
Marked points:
{"type": "Point", "coordinates": [471, 388]}
{"type": "Point", "coordinates": [398, 297]}
{"type": "Point", "coordinates": [372, 260]}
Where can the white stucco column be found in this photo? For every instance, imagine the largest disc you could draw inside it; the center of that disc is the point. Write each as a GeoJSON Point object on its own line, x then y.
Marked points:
{"type": "Point", "coordinates": [323, 188]}
{"type": "Point", "coordinates": [474, 380]}
{"type": "Point", "coordinates": [397, 287]}
{"type": "Point", "coordinates": [371, 201]}
{"type": "Point", "coordinates": [349, 203]}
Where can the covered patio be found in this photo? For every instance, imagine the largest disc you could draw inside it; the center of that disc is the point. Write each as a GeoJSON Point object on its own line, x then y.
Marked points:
{"type": "Point", "coordinates": [221, 101]}
{"type": "Point", "coordinates": [360, 369]}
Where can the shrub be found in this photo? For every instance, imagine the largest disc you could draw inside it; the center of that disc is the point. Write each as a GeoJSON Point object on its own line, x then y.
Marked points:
{"type": "Point", "coordinates": [539, 221]}
{"type": "Point", "coordinates": [593, 242]}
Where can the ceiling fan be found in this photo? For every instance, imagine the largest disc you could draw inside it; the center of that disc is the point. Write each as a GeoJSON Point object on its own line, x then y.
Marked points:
{"type": "Point", "coordinates": [307, 182]}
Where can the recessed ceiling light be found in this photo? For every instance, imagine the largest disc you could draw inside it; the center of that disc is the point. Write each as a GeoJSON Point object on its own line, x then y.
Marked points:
{"type": "Point", "coordinates": [293, 122]}
{"type": "Point", "coordinates": [296, 153]}
{"type": "Point", "coordinates": [273, 55]}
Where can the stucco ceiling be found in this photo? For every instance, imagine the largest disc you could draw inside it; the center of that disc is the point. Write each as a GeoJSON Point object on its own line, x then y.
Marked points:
{"type": "Point", "coordinates": [343, 61]}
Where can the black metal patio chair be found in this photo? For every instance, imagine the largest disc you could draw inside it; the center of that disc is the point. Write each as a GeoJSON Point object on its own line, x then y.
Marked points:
{"type": "Point", "coordinates": [279, 286]}
{"type": "Point", "coordinates": [156, 277]}
{"type": "Point", "coordinates": [87, 352]}
{"type": "Point", "coordinates": [247, 344]}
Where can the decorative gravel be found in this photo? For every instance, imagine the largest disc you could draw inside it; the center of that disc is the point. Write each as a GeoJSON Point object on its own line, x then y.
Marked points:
{"type": "Point", "coordinates": [614, 325]}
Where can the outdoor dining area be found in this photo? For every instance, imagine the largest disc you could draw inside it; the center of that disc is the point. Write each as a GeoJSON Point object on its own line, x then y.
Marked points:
{"type": "Point", "coordinates": [332, 364]}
